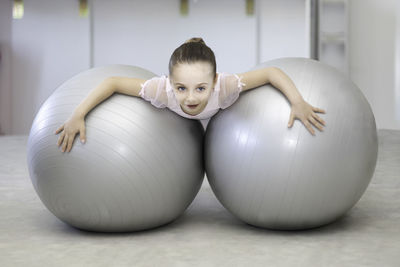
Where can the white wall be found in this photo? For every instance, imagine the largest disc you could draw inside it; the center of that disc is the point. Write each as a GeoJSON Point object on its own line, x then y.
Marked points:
{"type": "Point", "coordinates": [372, 57]}
{"type": "Point", "coordinates": [5, 67]}
{"type": "Point", "coordinates": [126, 34]}
{"type": "Point", "coordinates": [397, 66]}
{"type": "Point", "coordinates": [51, 43]}
{"type": "Point", "coordinates": [284, 29]}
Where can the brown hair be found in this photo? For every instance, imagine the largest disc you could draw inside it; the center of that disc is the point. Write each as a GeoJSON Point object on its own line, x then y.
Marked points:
{"type": "Point", "coordinates": [193, 50]}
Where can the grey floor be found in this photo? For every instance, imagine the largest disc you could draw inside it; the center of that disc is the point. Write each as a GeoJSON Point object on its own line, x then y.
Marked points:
{"type": "Point", "coordinates": [206, 234]}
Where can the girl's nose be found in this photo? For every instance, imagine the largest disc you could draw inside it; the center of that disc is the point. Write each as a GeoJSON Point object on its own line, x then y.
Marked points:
{"type": "Point", "coordinates": [190, 97]}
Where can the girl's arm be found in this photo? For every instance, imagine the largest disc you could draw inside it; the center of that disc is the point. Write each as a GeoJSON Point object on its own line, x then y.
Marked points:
{"type": "Point", "coordinates": [126, 85]}
{"type": "Point", "coordinates": [153, 89]}
{"type": "Point", "coordinates": [76, 123]}
{"type": "Point", "coordinates": [109, 86]}
{"type": "Point", "coordinates": [300, 108]}
{"type": "Point", "coordinates": [276, 77]}
{"type": "Point", "coordinates": [101, 92]}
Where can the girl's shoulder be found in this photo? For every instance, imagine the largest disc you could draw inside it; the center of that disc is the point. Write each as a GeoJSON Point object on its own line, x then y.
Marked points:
{"type": "Point", "coordinates": [154, 91]}
{"type": "Point", "coordinates": [155, 83]}
{"type": "Point", "coordinates": [230, 81]}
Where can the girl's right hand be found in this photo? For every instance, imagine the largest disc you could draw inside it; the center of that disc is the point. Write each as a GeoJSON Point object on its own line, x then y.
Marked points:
{"type": "Point", "coordinates": [68, 131]}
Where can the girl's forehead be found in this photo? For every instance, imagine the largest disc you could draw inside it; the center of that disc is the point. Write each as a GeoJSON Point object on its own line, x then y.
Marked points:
{"type": "Point", "coordinates": [192, 72]}
{"type": "Point", "coordinates": [195, 66]}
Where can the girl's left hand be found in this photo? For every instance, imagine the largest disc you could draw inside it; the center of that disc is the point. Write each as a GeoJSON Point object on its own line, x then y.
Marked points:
{"type": "Point", "coordinates": [305, 112]}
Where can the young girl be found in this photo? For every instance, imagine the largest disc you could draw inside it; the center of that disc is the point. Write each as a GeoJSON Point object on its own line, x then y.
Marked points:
{"type": "Point", "coordinates": [193, 90]}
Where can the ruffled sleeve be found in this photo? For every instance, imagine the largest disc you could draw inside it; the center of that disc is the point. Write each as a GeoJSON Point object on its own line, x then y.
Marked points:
{"type": "Point", "coordinates": [154, 91]}
{"type": "Point", "coordinates": [230, 88]}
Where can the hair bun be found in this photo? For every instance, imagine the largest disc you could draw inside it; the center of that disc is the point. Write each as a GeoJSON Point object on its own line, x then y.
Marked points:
{"type": "Point", "coordinates": [195, 40]}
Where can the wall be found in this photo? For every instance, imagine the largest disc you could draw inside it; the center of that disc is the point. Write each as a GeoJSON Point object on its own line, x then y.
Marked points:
{"type": "Point", "coordinates": [5, 67]}
{"type": "Point", "coordinates": [51, 43]}
{"type": "Point", "coordinates": [372, 57]}
{"type": "Point", "coordinates": [397, 66]}
{"type": "Point", "coordinates": [283, 29]}
{"type": "Point", "coordinates": [149, 41]}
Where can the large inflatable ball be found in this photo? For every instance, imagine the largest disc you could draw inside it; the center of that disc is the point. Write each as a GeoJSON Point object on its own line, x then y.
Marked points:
{"type": "Point", "coordinates": [272, 176]}
{"type": "Point", "coordinates": [140, 167]}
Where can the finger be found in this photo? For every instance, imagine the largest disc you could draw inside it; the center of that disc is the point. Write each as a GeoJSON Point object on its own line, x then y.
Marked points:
{"type": "Point", "coordinates": [318, 118]}
{"type": "Point", "coordinates": [308, 126]}
{"type": "Point", "coordinates": [65, 143]}
{"type": "Point", "coordinates": [60, 139]}
{"type": "Point", "coordinates": [59, 129]}
{"type": "Point", "coordinates": [291, 120]}
{"type": "Point", "coordinates": [83, 135]}
{"type": "Point", "coordinates": [319, 110]}
{"type": "Point", "coordinates": [316, 124]}
{"type": "Point", "coordinates": [70, 142]}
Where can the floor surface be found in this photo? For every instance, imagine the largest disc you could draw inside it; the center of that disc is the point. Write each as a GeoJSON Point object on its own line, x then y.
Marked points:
{"type": "Point", "coordinates": [206, 234]}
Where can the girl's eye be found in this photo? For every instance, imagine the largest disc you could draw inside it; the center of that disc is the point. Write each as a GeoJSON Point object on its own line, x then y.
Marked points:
{"type": "Point", "coordinates": [181, 88]}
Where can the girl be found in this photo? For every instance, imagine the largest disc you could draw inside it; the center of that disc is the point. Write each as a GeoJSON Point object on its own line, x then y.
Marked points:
{"type": "Point", "coordinates": [193, 90]}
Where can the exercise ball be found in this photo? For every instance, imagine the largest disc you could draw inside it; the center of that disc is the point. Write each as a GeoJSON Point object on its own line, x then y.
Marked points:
{"type": "Point", "coordinates": [140, 167]}
{"type": "Point", "coordinates": [275, 177]}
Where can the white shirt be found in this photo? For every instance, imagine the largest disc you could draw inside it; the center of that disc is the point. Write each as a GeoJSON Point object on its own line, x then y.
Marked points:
{"type": "Point", "coordinates": [159, 92]}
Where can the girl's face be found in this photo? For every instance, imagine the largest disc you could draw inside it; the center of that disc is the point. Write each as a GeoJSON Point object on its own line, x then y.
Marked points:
{"type": "Point", "coordinates": [193, 84]}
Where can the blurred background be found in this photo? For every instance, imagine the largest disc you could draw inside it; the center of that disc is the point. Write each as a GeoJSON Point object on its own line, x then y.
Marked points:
{"type": "Point", "coordinates": [43, 43]}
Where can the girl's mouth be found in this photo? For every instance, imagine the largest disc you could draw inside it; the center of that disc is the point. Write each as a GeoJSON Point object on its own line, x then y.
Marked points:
{"type": "Point", "coordinates": [192, 106]}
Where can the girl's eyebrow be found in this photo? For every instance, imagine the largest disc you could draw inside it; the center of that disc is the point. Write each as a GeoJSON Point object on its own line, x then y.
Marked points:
{"type": "Point", "coordinates": [197, 84]}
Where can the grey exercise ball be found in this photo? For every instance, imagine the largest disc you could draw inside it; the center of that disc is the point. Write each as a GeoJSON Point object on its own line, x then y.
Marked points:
{"type": "Point", "coordinates": [140, 167]}
{"type": "Point", "coordinates": [275, 177]}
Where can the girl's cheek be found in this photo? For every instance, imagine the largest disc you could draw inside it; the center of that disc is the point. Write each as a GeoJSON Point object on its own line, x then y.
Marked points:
{"type": "Point", "coordinates": [181, 98]}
